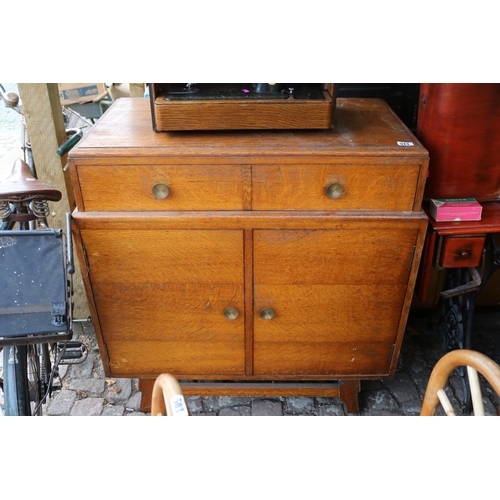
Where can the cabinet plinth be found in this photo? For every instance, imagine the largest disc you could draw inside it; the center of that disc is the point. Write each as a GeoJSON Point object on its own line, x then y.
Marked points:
{"type": "Point", "coordinates": [250, 263]}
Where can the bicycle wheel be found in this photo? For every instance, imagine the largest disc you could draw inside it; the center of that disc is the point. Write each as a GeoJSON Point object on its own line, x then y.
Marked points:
{"type": "Point", "coordinates": [34, 379]}
{"type": "Point", "coordinates": [21, 380]}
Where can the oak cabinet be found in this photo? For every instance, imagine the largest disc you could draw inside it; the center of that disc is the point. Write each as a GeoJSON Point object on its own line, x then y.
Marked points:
{"type": "Point", "coordinates": [256, 263]}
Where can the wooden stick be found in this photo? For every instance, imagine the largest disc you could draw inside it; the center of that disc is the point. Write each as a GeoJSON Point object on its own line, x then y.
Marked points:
{"type": "Point", "coordinates": [445, 402]}
{"type": "Point", "coordinates": [475, 391]}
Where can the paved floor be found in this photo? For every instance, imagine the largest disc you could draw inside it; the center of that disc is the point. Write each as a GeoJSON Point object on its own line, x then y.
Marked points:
{"type": "Point", "coordinates": [86, 391]}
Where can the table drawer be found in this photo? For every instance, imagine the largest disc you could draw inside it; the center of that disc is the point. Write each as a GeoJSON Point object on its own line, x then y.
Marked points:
{"type": "Point", "coordinates": [461, 251]}
{"type": "Point", "coordinates": [160, 187]}
{"type": "Point", "coordinates": [335, 187]}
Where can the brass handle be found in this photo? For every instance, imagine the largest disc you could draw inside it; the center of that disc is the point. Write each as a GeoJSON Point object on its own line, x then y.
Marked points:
{"type": "Point", "coordinates": [267, 313]}
{"type": "Point", "coordinates": [160, 191]}
{"type": "Point", "coordinates": [231, 313]}
{"type": "Point", "coordinates": [334, 191]}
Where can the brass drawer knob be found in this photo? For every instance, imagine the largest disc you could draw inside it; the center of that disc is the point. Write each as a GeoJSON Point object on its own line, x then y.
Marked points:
{"type": "Point", "coordinates": [267, 313]}
{"type": "Point", "coordinates": [160, 191]}
{"type": "Point", "coordinates": [231, 313]}
{"type": "Point", "coordinates": [334, 191]}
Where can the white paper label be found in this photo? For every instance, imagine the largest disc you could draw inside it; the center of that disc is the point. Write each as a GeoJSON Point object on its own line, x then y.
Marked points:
{"type": "Point", "coordinates": [179, 407]}
{"type": "Point", "coordinates": [406, 144]}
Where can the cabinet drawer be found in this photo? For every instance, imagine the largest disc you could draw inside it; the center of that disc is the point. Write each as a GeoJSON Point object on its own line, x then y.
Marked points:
{"type": "Point", "coordinates": [461, 251]}
{"type": "Point", "coordinates": [160, 187]}
{"type": "Point", "coordinates": [335, 187]}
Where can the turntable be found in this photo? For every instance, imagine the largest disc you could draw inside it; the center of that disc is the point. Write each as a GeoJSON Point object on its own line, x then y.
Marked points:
{"type": "Point", "coordinates": [241, 106]}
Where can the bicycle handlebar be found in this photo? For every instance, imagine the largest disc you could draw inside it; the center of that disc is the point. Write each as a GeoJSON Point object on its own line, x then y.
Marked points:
{"type": "Point", "coordinates": [70, 143]}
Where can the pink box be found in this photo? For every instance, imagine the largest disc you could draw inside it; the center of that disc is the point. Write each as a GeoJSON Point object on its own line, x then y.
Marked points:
{"type": "Point", "coordinates": [455, 209]}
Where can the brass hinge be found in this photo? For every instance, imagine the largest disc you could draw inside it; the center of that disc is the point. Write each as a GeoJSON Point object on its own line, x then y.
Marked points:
{"type": "Point", "coordinates": [391, 354]}
{"type": "Point", "coordinates": [86, 259]}
{"type": "Point", "coordinates": [412, 258]}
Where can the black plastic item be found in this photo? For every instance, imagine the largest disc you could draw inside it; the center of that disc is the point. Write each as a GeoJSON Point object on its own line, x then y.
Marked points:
{"type": "Point", "coordinates": [219, 91]}
{"type": "Point", "coordinates": [244, 91]}
{"type": "Point", "coordinates": [34, 292]}
{"type": "Point", "coordinates": [267, 88]}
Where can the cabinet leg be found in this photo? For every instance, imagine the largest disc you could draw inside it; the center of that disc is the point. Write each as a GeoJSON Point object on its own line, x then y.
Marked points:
{"type": "Point", "coordinates": [348, 393]}
{"type": "Point", "coordinates": [146, 387]}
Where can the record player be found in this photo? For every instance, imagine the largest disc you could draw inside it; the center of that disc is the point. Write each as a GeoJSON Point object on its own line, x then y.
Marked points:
{"type": "Point", "coordinates": [241, 106]}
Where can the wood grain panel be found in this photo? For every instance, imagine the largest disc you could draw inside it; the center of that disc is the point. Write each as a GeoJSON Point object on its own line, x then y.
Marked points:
{"type": "Point", "coordinates": [398, 221]}
{"type": "Point", "coordinates": [192, 187]}
{"type": "Point", "coordinates": [172, 311]}
{"type": "Point", "coordinates": [365, 187]}
{"type": "Point", "coordinates": [300, 358]}
{"type": "Point", "coordinates": [243, 115]}
{"type": "Point", "coordinates": [328, 313]}
{"type": "Point", "coordinates": [345, 256]}
{"type": "Point", "coordinates": [363, 127]}
{"type": "Point", "coordinates": [178, 358]}
{"type": "Point", "coordinates": [164, 256]}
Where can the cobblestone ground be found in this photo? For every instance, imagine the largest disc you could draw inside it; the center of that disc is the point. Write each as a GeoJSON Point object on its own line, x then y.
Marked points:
{"type": "Point", "coordinates": [86, 391]}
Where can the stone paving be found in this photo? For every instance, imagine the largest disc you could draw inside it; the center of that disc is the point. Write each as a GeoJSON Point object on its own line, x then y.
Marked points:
{"type": "Point", "coordinates": [86, 391]}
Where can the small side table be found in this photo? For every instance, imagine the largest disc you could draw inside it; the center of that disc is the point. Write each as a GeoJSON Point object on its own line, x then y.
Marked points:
{"type": "Point", "coordinates": [470, 252]}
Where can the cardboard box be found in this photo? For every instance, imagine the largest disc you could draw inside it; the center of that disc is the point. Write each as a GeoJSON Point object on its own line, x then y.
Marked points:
{"type": "Point", "coordinates": [71, 93]}
{"type": "Point", "coordinates": [455, 209]}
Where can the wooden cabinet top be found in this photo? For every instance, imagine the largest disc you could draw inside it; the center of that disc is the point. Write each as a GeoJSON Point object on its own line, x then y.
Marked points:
{"type": "Point", "coordinates": [362, 127]}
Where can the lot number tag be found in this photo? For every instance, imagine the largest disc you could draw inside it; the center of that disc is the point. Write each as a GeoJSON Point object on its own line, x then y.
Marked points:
{"type": "Point", "coordinates": [178, 405]}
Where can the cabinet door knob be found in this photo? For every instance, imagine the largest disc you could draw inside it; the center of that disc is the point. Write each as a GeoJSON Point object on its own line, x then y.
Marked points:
{"type": "Point", "coordinates": [160, 191]}
{"type": "Point", "coordinates": [231, 313]}
{"type": "Point", "coordinates": [334, 191]}
{"type": "Point", "coordinates": [267, 313]}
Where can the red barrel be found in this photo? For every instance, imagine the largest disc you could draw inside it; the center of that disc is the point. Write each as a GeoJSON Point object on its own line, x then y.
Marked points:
{"type": "Point", "coordinates": [459, 124]}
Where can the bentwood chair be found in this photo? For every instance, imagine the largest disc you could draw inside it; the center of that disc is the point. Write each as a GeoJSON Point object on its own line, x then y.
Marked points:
{"type": "Point", "coordinates": [475, 362]}
{"type": "Point", "coordinates": [168, 398]}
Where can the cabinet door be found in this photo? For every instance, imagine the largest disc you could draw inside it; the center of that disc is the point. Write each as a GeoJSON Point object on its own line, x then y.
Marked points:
{"type": "Point", "coordinates": [337, 298]}
{"type": "Point", "coordinates": [160, 297]}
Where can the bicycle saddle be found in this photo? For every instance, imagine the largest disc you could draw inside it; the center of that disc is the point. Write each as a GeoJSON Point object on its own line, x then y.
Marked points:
{"type": "Point", "coordinates": [20, 185]}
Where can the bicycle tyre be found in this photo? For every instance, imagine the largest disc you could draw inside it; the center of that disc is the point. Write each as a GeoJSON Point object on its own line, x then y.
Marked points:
{"type": "Point", "coordinates": [21, 380]}
{"type": "Point", "coordinates": [34, 375]}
